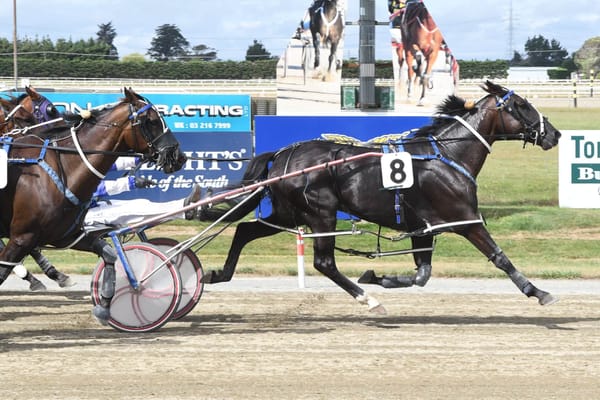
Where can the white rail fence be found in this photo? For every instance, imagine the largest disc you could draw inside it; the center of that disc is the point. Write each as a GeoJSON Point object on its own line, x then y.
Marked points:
{"type": "Point", "coordinates": [558, 93]}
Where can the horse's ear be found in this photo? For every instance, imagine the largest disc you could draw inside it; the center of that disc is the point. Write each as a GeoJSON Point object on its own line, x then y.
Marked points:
{"type": "Point", "coordinates": [493, 88]}
{"type": "Point", "coordinates": [32, 92]}
{"type": "Point", "coordinates": [128, 95]}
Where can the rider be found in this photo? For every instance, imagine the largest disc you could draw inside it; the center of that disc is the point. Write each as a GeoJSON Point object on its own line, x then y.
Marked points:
{"type": "Point", "coordinates": [122, 212]}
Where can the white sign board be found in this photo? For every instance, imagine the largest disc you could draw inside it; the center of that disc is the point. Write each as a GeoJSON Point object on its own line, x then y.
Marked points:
{"type": "Point", "coordinates": [396, 170]}
{"type": "Point", "coordinates": [579, 169]}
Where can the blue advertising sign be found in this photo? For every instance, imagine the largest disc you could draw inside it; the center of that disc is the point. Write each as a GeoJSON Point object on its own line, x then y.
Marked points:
{"type": "Point", "coordinates": [275, 132]}
{"type": "Point", "coordinates": [214, 131]}
{"type": "Point", "coordinates": [182, 112]}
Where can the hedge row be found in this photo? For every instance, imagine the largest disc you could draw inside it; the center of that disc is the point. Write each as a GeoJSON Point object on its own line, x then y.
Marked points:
{"type": "Point", "coordinates": [208, 69]}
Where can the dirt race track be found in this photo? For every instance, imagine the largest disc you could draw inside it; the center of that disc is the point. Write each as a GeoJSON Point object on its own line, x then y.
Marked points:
{"type": "Point", "coordinates": [306, 344]}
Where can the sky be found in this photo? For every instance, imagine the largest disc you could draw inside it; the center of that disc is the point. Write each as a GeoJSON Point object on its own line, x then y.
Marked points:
{"type": "Point", "coordinates": [474, 30]}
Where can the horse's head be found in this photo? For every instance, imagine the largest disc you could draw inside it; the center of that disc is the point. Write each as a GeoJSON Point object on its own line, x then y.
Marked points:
{"type": "Point", "coordinates": [519, 118]}
{"type": "Point", "coordinates": [13, 116]}
{"type": "Point", "coordinates": [28, 109]}
{"type": "Point", "coordinates": [42, 109]}
{"type": "Point", "coordinates": [159, 145]}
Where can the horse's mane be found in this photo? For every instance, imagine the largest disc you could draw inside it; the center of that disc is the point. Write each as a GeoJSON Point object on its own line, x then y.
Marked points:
{"type": "Point", "coordinates": [452, 105]}
{"type": "Point", "coordinates": [16, 100]}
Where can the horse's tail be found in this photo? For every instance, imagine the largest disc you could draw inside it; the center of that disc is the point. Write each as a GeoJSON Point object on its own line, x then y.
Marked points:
{"type": "Point", "coordinates": [256, 171]}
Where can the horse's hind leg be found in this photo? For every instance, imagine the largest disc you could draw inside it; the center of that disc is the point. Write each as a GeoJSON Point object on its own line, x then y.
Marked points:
{"type": "Point", "coordinates": [422, 256]}
{"type": "Point", "coordinates": [324, 262]}
{"type": "Point", "coordinates": [480, 237]}
{"type": "Point", "coordinates": [12, 255]}
{"type": "Point", "coordinates": [50, 270]}
{"type": "Point", "coordinates": [245, 233]}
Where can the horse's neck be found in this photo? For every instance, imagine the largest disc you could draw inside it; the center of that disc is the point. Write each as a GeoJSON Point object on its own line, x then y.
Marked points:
{"type": "Point", "coordinates": [464, 146]}
{"type": "Point", "coordinates": [101, 137]}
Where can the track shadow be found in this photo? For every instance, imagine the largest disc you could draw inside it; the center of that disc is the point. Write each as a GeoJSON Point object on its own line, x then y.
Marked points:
{"type": "Point", "coordinates": [88, 333]}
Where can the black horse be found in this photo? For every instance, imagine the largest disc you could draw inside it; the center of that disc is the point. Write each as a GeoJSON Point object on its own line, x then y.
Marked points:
{"type": "Point", "coordinates": [326, 25]}
{"type": "Point", "coordinates": [446, 158]}
{"type": "Point", "coordinates": [51, 180]}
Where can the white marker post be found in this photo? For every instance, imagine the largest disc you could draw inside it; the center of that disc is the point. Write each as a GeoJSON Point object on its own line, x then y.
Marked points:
{"type": "Point", "coordinates": [300, 257]}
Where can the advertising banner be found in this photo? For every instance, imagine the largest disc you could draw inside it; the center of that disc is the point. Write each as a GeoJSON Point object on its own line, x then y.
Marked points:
{"type": "Point", "coordinates": [425, 70]}
{"type": "Point", "coordinates": [208, 127]}
{"type": "Point", "coordinates": [579, 169]}
{"type": "Point", "coordinates": [310, 70]}
{"type": "Point", "coordinates": [275, 132]}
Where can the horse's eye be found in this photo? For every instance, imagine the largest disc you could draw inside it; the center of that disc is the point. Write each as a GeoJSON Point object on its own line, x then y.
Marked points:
{"type": "Point", "coordinates": [51, 110]}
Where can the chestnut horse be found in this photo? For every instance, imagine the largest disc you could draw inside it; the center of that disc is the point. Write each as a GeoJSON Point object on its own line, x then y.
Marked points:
{"type": "Point", "coordinates": [422, 41]}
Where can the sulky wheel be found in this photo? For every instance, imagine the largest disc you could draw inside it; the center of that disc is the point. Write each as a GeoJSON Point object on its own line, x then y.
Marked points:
{"type": "Point", "coordinates": [154, 302]}
{"type": "Point", "coordinates": [190, 270]}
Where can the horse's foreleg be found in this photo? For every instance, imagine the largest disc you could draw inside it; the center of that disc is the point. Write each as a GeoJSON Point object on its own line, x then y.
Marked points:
{"type": "Point", "coordinates": [102, 310]}
{"type": "Point", "coordinates": [244, 234]}
{"type": "Point", "coordinates": [324, 262]}
{"type": "Point", "coordinates": [332, 52]}
{"type": "Point", "coordinates": [480, 237]}
{"type": "Point", "coordinates": [317, 46]}
{"type": "Point", "coordinates": [423, 250]}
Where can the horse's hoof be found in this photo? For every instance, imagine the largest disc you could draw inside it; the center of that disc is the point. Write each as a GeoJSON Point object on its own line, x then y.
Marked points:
{"type": "Point", "coordinates": [102, 314]}
{"type": "Point", "coordinates": [378, 309]}
{"type": "Point", "coordinates": [392, 282]}
{"type": "Point", "coordinates": [37, 286]}
{"type": "Point", "coordinates": [547, 300]}
{"type": "Point", "coordinates": [65, 281]}
{"type": "Point", "coordinates": [209, 277]}
{"type": "Point", "coordinates": [368, 277]}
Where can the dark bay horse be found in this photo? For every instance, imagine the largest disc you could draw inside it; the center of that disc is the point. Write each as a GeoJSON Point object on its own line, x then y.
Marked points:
{"type": "Point", "coordinates": [31, 113]}
{"type": "Point", "coordinates": [49, 189]}
{"type": "Point", "coordinates": [446, 159]}
{"type": "Point", "coordinates": [326, 26]}
{"type": "Point", "coordinates": [422, 41]}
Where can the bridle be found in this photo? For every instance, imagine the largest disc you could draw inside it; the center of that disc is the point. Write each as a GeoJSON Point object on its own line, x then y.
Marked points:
{"type": "Point", "coordinates": [507, 103]}
{"type": "Point", "coordinates": [139, 119]}
{"type": "Point", "coordinates": [43, 109]}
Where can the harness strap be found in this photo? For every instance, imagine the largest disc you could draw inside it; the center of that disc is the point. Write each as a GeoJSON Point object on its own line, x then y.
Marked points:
{"type": "Point", "coordinates": [439, 156]}
{"type": "Point", "coordinates": [46, 167]}
{"type": "Point", "coordinates": [398, 196]}
{"type": "Point", "coordinates": [83, 156]}
{"type": "Point", "coordinates": [471, 129]}
{"type": "Point", "coordinates": [59, 183]}
{"type": "Point", "coordinates": [329, 24]}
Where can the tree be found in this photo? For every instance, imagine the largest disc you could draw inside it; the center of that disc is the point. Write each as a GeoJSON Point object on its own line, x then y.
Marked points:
{"type": "Point", "coordinates": [168, 44]}
{"type": "Point", "coordinates": [204, 53]}
{"type": "Point", "coordinates": [517, 59]}
{"type": "Point", "coordinates": [542, 53]}
{"type": "Point", "coordinates": [106, 34]}
{"type": "Point", "coordinates": [587, 58]}
{"type": "Point", "coordinates": [256, 51]}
